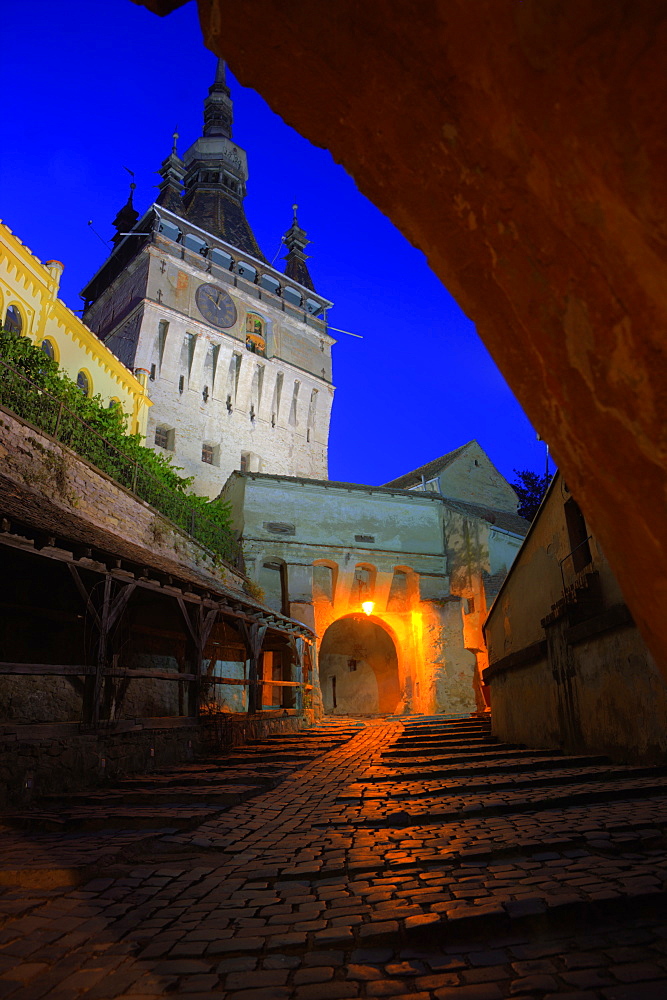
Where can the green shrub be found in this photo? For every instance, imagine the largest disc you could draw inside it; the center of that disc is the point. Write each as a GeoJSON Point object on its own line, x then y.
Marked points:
{"type": "Point", "coordinates": [53, 402]}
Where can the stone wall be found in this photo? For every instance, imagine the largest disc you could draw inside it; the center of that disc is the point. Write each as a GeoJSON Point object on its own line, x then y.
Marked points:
{"type": "Point", "coordinates": [614, 702]}
{"type": "Point", "coordinates": [59, 759]}
{"type": "Point", "coordinates": [568, 667]}
{"type": "Point", "coordinates": [33, 459]}
{"type": "Point", "coordinates": [235, 410]}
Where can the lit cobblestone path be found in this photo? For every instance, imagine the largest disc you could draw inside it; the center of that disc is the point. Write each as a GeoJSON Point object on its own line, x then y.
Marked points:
{"type": "Point", "coordinates": [408, 858]}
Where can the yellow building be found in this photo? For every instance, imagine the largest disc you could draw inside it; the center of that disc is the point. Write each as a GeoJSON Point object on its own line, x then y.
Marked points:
{"type": "Point", "coordinates": [29, 305]}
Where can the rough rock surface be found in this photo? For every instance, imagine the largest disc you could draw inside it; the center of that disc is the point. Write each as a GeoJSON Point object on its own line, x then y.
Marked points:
{"type": "Point", "coordinates": [522, 147]}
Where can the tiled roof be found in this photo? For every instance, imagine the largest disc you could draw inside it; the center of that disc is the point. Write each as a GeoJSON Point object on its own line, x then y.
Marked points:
{"type": "Point", "coordinates": [297, 270]}
{"type": "Point", "coordinates": [500, 518]}
{"type": "Point", "coordinates": [223, 216]}
{"type": "Point", "coordinates": [428, 471]}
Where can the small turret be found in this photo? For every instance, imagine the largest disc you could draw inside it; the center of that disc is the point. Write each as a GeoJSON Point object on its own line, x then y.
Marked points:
{"type": "Point", "coordinates": [296, 241]}
{"type": "Point", "coordinates": [172, 173]}
{"type": "Point", "coordinates": [126, 218]}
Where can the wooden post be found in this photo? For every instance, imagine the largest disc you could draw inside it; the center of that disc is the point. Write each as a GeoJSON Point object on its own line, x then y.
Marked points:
{"type": "Point", "coordinates": [254, 635]}
{"type": "Point", "coordinates": [300, 645]}
{"type": "Point", "coordinates": [104, 621]}
{"type": "Point", "coordinates": [199, 630]}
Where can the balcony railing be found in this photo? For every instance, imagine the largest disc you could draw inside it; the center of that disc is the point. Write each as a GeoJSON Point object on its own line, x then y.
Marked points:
{"type": "Point", "coordinates": [38, 407]}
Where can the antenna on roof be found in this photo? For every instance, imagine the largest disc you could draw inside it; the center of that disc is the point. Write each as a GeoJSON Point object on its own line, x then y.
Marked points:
{"type": "Point", "coordinates": [107, 243]}
{"type": "Point", "coordinates": [336, 330]}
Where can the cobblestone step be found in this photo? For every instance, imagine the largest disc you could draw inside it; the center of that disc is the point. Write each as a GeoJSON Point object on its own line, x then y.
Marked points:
{"type": "Point", "coordinates": [425, 789]}
{"type": "Point", "coordinates": [435, 748]}
{"type": "Point", "coordinates": [445, 756]}
{"type": "Point", "coordinates": [169, 795]}
{"type": "Point", "coordinates": [497, 764]}
{"type": "Point", "coordinates": [288, 896]}
{"type": "Point", "coordinates": [446, 807]}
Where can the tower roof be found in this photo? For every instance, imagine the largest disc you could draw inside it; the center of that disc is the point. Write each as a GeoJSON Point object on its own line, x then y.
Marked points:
{"type": "Point", "coordinates": [216, 172]}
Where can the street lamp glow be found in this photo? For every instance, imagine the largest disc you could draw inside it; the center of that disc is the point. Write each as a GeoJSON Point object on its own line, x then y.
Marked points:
{"type": "Point", "coordinates": [367, 607]}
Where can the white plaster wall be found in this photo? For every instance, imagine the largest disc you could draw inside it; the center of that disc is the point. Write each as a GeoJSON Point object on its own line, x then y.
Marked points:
{"type": "Point", "coordinates": [276, 442]}
{"type": "Point", "coordinates": [503, 550]}
{"type": "Point", "coordinates": [474, 478]}
{"type": "Point", "coordinates": [435, 670]}
{"type": "Point", "coordinates": [326, 516]}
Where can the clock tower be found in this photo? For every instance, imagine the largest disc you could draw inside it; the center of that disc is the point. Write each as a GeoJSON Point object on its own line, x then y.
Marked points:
{"type": "Point", "coordinates": [235, 354]}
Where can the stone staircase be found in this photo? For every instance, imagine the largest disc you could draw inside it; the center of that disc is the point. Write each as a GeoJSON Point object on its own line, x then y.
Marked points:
{"type": "Point", "coordinates": [184, 795]}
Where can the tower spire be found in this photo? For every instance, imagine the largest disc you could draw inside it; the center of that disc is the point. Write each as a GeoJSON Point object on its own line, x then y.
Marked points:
{"type": "Point", "coordinates": [218, 107]}
{"type": "Point", "coordinates": [216, 172]}
{"type": "Point", "coordinates": [296, 241]}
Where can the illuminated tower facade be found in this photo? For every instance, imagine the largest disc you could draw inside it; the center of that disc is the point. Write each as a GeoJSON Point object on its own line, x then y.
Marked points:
{"type": "Point", "coordinates": [236, 354]}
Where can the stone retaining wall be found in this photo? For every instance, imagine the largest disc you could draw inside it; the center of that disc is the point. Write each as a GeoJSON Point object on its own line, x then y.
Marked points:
{"type": "Point", "coordinates": [42, 760]}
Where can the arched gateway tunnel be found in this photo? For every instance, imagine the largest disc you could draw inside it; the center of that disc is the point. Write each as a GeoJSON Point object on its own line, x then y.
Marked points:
{"type": "Point", "coordinates": [359, 668]}
{"type": "Point", "coordinates": [394, 580]}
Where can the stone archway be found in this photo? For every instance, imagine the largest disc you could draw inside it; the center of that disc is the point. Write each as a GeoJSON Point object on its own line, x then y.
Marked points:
{"type": "Point", "coordinates": [358, 666]}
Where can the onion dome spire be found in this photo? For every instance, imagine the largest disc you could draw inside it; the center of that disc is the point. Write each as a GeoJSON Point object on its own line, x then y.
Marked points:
{"type": "Point", "coordinates": [296, 241]}
{"type": "Point", "coordinates": [216, 172]}
{"type": "Point", "coordinates": [172, 172]}
{"type": "Point", "coordinates": [218, 107]}
{"type": "Point", "coordinates": [126, 217]}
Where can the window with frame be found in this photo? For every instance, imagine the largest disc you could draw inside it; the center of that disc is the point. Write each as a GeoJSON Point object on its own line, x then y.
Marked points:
{"type": "Point", "coordinates": [207, 453]}
{"type": "Point", "coordinates": [164, 438]}
{"type": "Point", "coordinates": [48, 348]}
{"type": "Point", "coordinates": [13, 320]}
{"type": "Point", "coordinates": [83, 382]}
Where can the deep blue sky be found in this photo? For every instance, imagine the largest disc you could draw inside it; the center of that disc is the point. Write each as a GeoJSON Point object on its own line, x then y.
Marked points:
{"type": "Point", "coordinates": [92, 88]}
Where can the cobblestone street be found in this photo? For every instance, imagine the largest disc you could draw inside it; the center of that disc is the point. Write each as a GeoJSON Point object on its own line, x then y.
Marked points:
{"type": "Point", "coordinates": [412, 858]}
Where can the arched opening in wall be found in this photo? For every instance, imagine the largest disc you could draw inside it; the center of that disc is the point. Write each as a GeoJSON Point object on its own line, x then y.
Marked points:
{"type": "Point", "coordinates": [363, 585]}
{"type": "Point", "coordinates": [359, 668]}
{"type": "Point", "coordinates": [273, 581]}
{"type": "Point", "coordinates": [404, 590]}
{"type": "Point", "coordinates": [325, 576]}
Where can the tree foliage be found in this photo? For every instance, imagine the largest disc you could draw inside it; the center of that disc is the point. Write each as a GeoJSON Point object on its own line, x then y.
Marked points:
{"type": "Point", "coordinates": [111, 448]}
{"type": "Point", "coordinates": [530, 488]}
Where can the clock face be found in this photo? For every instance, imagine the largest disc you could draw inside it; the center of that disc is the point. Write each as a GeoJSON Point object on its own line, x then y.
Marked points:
{"type": "Point", "coordinates": [216, 306]}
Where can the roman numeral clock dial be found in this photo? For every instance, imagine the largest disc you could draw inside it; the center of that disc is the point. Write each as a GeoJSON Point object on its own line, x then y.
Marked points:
{"type": "Point", "coordinates": [216, 306]}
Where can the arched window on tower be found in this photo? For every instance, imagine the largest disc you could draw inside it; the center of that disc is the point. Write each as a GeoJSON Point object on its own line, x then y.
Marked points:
{"type": "Point", "coordinates": [255, 340]}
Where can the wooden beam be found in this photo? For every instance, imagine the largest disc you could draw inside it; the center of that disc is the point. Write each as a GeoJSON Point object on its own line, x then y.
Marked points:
{"type": "Point", "coordinates": [47, 669]}
{"type": "Point", "coordinates": [158, 675]}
